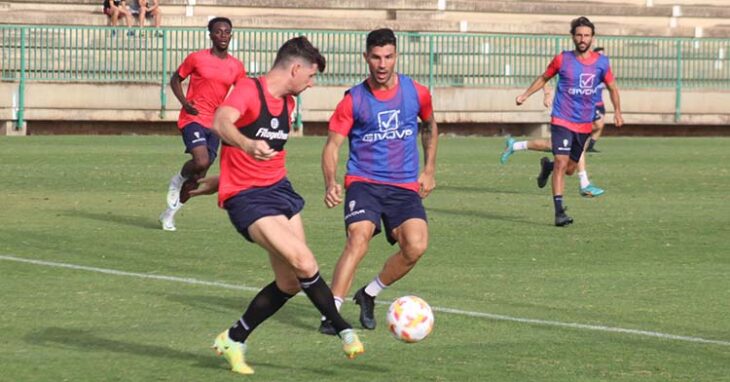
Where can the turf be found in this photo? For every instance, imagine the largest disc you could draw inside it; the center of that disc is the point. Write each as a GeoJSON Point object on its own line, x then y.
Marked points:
{"type": "Point", "coordinates": [652, 254]}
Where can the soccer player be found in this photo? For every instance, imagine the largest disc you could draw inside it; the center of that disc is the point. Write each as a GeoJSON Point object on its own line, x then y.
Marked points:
{"type": "Point", "coordinates": [254, 124]}
{"type": "Point", "coordinates": [212, 72]}
{"type": "Point", "coordinates": [586, 188]}
{"type": "Point", "coordinates": [380, 118]}
{"type": "Point", "coordinates": [580, 70]}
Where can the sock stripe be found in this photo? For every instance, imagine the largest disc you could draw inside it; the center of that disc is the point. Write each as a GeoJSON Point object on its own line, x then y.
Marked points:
{"type": "Point", "coordinates": [243, 323]}
{"type": "Point", "coordinates": [306, 283]}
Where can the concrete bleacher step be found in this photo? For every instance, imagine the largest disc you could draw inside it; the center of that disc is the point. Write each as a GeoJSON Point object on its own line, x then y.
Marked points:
{"type": "Point", "coordinates": [553, 27]}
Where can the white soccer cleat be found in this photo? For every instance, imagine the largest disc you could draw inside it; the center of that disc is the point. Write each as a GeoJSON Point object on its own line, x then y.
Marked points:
{"type": "Point", "coordinates": [173, 192]}
{"type": "Point", "coordinates": [167, 219]}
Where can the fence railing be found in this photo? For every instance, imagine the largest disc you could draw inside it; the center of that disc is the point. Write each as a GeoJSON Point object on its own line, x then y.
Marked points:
{"type": "Point", "coordinates": [105, 54]}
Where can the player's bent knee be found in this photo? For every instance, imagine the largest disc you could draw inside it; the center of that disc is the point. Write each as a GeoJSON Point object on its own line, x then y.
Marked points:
{"type": "Point", "coordinates": [413, 250]}
{"type": "Point", "coordinates": [304, 265]}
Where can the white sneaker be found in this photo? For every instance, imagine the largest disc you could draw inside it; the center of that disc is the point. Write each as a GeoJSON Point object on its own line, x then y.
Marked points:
{"type": "Point", "coordinates": [173, 191]}
{"type": "Point", "coordinates": [167, 219]}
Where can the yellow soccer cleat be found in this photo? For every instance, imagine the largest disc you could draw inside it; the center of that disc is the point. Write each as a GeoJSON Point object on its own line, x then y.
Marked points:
{"type": "Point", "coordinates": [351, 344]}
{"type": "Point", "coordinates": [234, 352]}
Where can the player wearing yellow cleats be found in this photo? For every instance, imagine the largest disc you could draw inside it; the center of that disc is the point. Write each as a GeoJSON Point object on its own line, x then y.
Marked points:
{"type": "Point", "coordinates": [351, 344]}
{"type": "Point", "coordinates": [234, 352]}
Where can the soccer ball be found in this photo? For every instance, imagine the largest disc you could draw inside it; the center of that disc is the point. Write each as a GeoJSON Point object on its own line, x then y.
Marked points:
{"type": "Point", "coordinates": [410, 319]}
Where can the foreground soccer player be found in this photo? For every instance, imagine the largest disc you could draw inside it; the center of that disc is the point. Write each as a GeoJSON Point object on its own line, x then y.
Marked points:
{"type": "Point", "coordinates": [380, 119]}
{"type": "Point", "coordinates": [212, 72]}
{"type": "Point", "coordinates": [581, 71]}
{"type": "Point", "coordinates": [254, 123]}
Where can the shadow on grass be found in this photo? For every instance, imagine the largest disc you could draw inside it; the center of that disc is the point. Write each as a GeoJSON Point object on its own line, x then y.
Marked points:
{"type": "Point", "coordinates": [491, 216]}
{"type": "Point", "coordinates": [148, 222]}
{"type": "Point", "coordinates": [298, 312]}
{"type": "Point", "coordinates": [82, 340]}
{"type": "Point", "coordinates": [485, 190]}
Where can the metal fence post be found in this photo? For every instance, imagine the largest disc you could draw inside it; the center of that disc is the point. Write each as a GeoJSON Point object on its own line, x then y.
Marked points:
{"type": "Point", "coordinates": [678, 87]}
{"type": "Point", "coordinates": [163, 94]}
{"type": "Point", "coordinates": [431, 62]}
{"type": "Point", "coordinates": [21, 86]}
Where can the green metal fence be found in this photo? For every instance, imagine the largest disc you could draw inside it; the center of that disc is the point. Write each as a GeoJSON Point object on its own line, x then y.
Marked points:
{"type": "Point", "coordinates": [104, 54]}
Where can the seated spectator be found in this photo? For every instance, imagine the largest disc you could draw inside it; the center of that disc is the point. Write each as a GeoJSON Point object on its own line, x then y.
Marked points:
{"type": "Point", "coordinates": [115, 8]}
{"type": "Point", "coordinates": [145, 9]}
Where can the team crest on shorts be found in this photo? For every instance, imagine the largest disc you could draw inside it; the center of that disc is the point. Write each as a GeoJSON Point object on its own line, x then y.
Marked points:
{"type": "Point", "coordinates": [274, 123]}
{"type": "Point", "coordinates": [565, 143]}
{"type": "Point", "coordinates": [352, 205]}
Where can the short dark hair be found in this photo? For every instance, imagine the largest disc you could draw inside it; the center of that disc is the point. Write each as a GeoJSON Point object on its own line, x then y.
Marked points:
{"type": "Point", "coordinates": [300, 47]}
{"type": "Point", "coordinates": [214, 20]}
{"type": "Point", "coordinates": [380, 37]}
{"type": "Point", "coordinates": [581, 22]}
{"type": "Point", "coordinates": [598, 49]}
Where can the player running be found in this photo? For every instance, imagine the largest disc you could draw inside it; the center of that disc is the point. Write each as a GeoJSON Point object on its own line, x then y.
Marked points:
{"type": "Point", "coordinates": [212, 72]}
{"type": "Point", "coordinates": [580, 72]}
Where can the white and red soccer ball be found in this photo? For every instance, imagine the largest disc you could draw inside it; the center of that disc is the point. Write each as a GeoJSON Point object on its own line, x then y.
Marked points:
{"type": "Point", "coordinates": [410, 319]}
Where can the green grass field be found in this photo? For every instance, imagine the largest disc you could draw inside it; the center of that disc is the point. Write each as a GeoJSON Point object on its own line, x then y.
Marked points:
{"type": "Point", "coordinates": [652, 255]}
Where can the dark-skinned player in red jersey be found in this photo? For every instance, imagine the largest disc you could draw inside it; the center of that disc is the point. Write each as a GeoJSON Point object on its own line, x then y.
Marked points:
{"type": "Point", "coordinates": [212, 72]}
{"type": "Point", "coordinates": [254, 123]}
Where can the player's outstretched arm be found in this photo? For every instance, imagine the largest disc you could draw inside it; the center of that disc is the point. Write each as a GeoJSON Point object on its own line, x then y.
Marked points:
{"type": "Point", "coordinates": [429, 140]}
{"type": "Point", "coordinates": [618, 118]}
{"type": "Point", "coordinates": [538, 84]}
{"type": "Point", "coordinates": [330, 156]}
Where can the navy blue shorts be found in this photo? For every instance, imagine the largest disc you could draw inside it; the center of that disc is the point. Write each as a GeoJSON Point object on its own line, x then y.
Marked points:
{"type": "Point", "coordinates": [195, 134]}
{"type": "Point", "coordinates": [373, 202]}
{"type": "Point", "coordinates": [255, 203]}
{"type": "Point", "coordinates": [600, 112]}
{"type": "Point", "coordinates": [567, 142]}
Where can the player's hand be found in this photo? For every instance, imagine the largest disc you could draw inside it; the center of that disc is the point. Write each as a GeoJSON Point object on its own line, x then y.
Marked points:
{"type": "Point", "coordinates": [546, 99]}
{"type": "Point", "coordinates": [259, 150]}
{"type": "Point", "coordinates": [206, 186]}
{"type": "Point", "coordinates": [426, 184]}
{"type": "Point", "coordinates": [333, 195]}
{"type": "Point", "coordinates": [520, 99]}
{"type": "Point", "coordinates": [618, 119]}
{"type": "Point", "coordinates": [190, 108]}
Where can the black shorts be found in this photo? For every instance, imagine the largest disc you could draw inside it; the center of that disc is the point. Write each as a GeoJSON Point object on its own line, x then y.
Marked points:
{"type": "Point", "coordinates": [600, 112]}
{"type": "Point", "coordinates": [373, 202]}
{"type": "Point", "coordinates": [195, 134]}
{"type": "Point", "coordinates": [255, 203]}
{"type": "Point", "coordinates": [567, 142]}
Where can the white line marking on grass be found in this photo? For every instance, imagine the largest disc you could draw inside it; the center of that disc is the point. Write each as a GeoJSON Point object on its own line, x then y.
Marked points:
{"type": "Point", "coordinates": [531, 321]}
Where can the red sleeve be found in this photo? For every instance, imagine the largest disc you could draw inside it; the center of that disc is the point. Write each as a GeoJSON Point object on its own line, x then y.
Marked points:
{"type": "Point", "coordinates": [424, 99]}
{"type": "Point", "coordinates": [242, 72]}
{"type": "Point", "coordinates": [187, 66]}
{"type": "Point", "coordinates": [342, 120]}
{"type": "Point", "coordinates": [245, 98]}
{"type": "Point", "coordinates": [608, 78]}
{"type": "Point", "coordinates": [554, 66]}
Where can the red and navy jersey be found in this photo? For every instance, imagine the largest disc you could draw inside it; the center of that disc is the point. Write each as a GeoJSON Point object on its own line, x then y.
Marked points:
{"type": "Point", "coordinates": [578, 81]}
{"type": "Point", "coordinates": [382, 127]}
{"type": "Point", "coordinates": [211, 78]}
{"type": "Point", "coordinates": [263, 117]}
